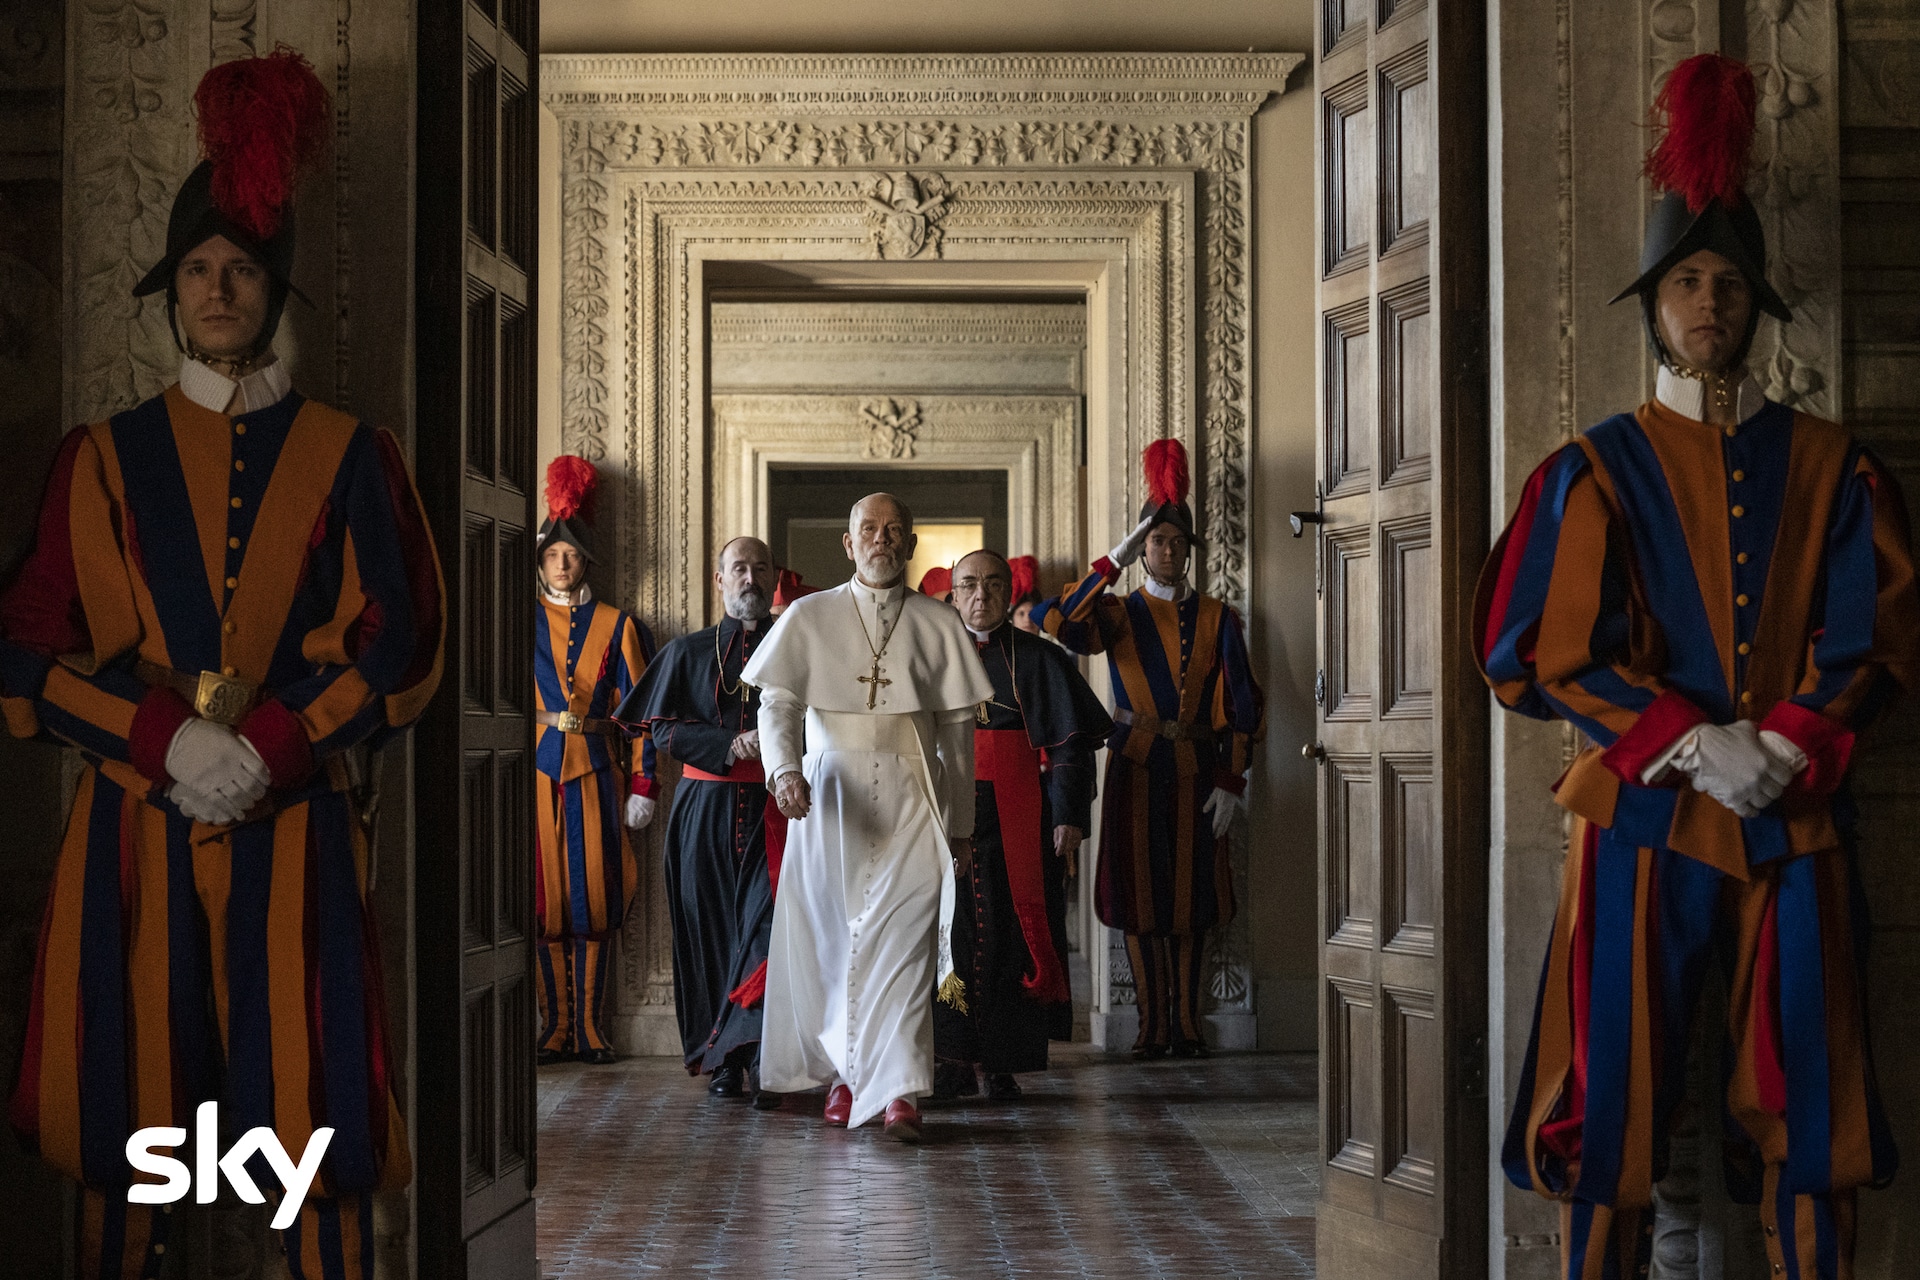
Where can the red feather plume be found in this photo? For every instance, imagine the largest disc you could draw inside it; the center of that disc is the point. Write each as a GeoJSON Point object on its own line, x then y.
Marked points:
{"type": "Point", "coordinates": [572, 483]}
{"type": "Point", "coordinates": [1707, 106]}
{"type": "Point", "coordinates": [1167, 479]}
{"type": "Point", "coordinates": [263, 121]}
{"type": "Point", "coordinates": [1026, 573]}
{"type": "Point", "coordinates": [937, 582]}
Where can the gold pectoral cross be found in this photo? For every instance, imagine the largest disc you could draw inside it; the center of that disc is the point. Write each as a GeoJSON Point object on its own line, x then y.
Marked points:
{"type": "Point", "coordinates": [873, 683]}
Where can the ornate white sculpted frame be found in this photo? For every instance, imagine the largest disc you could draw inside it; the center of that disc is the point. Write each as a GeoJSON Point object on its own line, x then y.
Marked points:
{"type": "Point", "coordinates": [1034, 439]}
{"type": "Point", "coordinates": [1126, 175]}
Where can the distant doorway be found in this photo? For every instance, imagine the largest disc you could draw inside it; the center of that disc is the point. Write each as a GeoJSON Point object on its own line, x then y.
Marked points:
{"type": "Point", "coordinates": [954, 512]}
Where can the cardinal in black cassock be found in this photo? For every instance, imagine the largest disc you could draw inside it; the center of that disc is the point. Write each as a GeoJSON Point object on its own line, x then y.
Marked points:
{"type": "Point", "coordinates": [723, 839]}
{"type": "Point", "coordinates": [1033, 792]}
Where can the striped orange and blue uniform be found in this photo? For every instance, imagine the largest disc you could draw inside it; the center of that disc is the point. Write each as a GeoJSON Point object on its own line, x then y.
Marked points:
{"type": "Point", "coordinates": [586, 659]}
{"type": "Point", "coordinates": [1662, 573]}
{"type": "Point", "coordinates": [180, 962]}
{"type": "Point", "coordinates": [1187, 713]}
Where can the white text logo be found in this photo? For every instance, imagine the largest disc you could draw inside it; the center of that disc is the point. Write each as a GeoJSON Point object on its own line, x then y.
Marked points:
{"type": "Point", "coordinates": [209, 1164]}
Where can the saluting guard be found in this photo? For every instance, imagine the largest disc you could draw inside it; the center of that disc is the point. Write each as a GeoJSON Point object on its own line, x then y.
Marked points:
{"type": "Point", "coordinates": [1187, 713]}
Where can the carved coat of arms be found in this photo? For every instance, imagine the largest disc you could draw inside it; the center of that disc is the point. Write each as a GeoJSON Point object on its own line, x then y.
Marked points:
{"type": "Point", "coordinates": [891, 427]}
{"type": "Point", "coordinates": [904, 213]}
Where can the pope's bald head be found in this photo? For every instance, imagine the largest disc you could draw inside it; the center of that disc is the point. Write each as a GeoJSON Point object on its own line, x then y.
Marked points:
{"type": "Point", "coordinates": [883, 507]}
{"type": "Point", "coordinates": [879, 538]}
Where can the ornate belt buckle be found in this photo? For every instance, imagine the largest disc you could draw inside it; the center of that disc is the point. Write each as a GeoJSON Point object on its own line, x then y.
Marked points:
{"type": "Point", "coordinates": [571, 723]}
{"type": "Point", "coordinates": [223, 699]}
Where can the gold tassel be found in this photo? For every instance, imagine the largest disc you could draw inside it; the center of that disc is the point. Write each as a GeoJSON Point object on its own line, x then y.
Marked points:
{"type": "Point", "coordinates": [954, 992]}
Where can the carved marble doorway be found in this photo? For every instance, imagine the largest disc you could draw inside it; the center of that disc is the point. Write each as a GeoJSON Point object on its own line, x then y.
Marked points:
{"type": "Point", "coordinates": [1118, 181]}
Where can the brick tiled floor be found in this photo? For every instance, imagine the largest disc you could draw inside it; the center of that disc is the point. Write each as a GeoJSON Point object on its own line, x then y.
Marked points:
{"type": "Point", "coordinates": [1107, 1168]}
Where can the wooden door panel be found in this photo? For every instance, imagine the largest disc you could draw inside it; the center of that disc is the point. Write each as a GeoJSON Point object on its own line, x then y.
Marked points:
{"type": "Point", "coordinates": [474, 250]}
{"type": "Point", "coordinates": [1404, 1183]}
{"type": "Point", "coordinates": [1406, 150]}
{"type": "Point", "coordinates": [1347, 438]}
{"type": "Point", "coordinates": [1406, 618]}
{"type": "Point", "coordinates": [1352, 877]}
{"type": "Point", "coordinates": [1406, 385]}
{"type": "Point", "coordinates": [1353, 1130]}
{"type": "Point", "coordinates": [1348, 174]}
{"type": "Point", "coordinates": [1352, 608]}
{"type": "Point", "coordinates": [1406, 852]}
{"type": "Point", "coordinates": [1413, 1044]}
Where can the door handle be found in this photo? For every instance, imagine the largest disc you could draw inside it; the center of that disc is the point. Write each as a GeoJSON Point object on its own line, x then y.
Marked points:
{"type": "Point", "coordinates": [1317, 517]}
{"type": "Point", "coordinates": [1314, 751]}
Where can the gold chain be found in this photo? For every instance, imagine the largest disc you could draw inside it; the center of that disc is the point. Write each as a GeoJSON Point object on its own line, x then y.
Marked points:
{"type": "Point", "coordinates": [720, 661]}
{"type": "Point", "coordinates": [1720, 386]}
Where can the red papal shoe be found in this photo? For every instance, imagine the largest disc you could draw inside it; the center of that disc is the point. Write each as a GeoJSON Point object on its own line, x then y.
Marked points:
{"type": "Point", "coordinates": [903, 1120]}
{"type": "Point", "coordinates": [839, 1105]}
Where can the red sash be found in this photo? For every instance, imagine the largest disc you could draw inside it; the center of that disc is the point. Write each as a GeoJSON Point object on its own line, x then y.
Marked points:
{"type": "Point", "coordinates": [1005, 758]}
{"type": "Point", "coordinates": [751, 991]}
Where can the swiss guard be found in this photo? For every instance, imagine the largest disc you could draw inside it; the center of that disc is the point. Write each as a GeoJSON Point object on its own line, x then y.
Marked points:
{"type": "Point", "coordinates": [724, 839]}
{"type": "Point", "coordinates": [1033, 787]}
{"type": "Point", "coordinates": [1187, 713]}
{"type": "Point", "coordinates": [232, 587]}
{"type": "Point", "coordinates": [594, 784]}
{"type": "Point", "coordinates": [1718, 592]}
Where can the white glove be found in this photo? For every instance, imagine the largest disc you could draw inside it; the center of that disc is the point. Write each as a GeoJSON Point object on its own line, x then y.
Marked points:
{"type": "Point", "coordinates": [1783, 749]}
{"type": "Point", "coordinates": [1729, 763]}
{"type": "Point", "coordinates": [639, 811]}
{"type": "Point", "coordinates": [745, 746]}
{"type": "Point", "coordinates": [217, 764]}
{"type": "Point", "coordinates": [1129, 549]}
{"type": "Point", "coordinates": [1222, 804]}
{"type": "Point", "coordinates": [210, 810]}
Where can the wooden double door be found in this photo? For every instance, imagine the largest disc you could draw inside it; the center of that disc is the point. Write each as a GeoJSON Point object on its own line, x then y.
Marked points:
{"type": "Point", "coordinates": [1402, 308]}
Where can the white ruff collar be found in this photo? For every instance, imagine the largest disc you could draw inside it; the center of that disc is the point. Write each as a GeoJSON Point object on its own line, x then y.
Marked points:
{"type": "Point", "coordinates": [1688, 396]}
{"type": "Point", "coordinates": [1160, 591]}
{"type": "Point", "coordinates": [264, 387]}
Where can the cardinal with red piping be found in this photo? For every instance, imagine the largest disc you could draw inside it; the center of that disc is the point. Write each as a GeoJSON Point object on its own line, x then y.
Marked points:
{"type": "Point", "coordinates": [1717, 590]}
{"type": "Point", "coordinates": [1187, 714]}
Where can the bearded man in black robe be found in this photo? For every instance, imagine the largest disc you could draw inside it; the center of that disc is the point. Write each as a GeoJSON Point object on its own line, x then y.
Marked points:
{"type": "Point", "coordinates": [1033, 795]}
{"type": "Point", "coordinates": [723, 838]}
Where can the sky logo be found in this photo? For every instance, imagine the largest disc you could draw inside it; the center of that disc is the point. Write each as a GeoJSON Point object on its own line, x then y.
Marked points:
{"type": "Point", "coordinates": [204, 1178]}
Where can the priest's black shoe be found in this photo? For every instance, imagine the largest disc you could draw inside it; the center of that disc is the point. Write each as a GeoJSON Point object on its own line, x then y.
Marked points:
{"type": "Point", "coordinates": [1191, 1049]}
{"type": "Point", "coordinates": [547, 1057]}
{"type": "Point", "coordinates": [727, 1082]}
{"type": "Point", "coordinates": [1002, 1087]}
{"type": "Point", "coordinates": [598, 1057]}
{"type": "Point", "coordinates": [1143, 1052]}
{"type": "Point", "coordinates": [954, 1079]}
{"type": "Point", "coordinates": [767, 1100]}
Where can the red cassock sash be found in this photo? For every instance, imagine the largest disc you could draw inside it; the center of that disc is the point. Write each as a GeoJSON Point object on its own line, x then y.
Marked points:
{"type": "Point", "coordinates": [1005, 758]}
{"type": "Point", "coordinates": [754, 988]}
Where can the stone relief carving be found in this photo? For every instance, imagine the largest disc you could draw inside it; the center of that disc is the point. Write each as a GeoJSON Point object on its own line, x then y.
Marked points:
{"type": "Point", "coordinates": [904, 214]}
{"type": "Point", "coordinates": [1791, 46]}
{"type": "Point", "coordinates": [891, 427]}
{"type": "Point", "coordinates": [768, 139]}
{"type": "Point", "coordinates": [127, 152]}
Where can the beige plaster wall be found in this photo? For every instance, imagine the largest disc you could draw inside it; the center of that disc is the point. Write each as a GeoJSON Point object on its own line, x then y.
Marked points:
{"type": "Point", "coordinates": [1281, 888]}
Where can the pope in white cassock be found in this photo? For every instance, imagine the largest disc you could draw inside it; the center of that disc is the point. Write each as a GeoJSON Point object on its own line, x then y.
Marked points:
{"type": "Point", "coordinates": [883, 683]}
